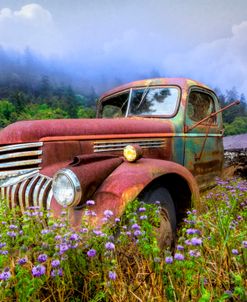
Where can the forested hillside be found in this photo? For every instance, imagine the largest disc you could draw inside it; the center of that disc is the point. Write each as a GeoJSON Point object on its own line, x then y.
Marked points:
{"type": "Point", "coordinates": [32, 87]}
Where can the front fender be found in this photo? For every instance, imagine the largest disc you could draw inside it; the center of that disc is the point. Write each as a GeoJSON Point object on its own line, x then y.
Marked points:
{"type": "Point", "coordinates": [126, 182]}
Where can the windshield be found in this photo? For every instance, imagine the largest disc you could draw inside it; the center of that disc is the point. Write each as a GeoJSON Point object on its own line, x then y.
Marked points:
{"type": "Point", "coordinates": [145, 101]}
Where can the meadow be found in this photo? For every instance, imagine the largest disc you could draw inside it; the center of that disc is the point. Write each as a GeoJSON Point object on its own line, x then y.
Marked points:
{"type": "Point", "coordinates": [43, 259]}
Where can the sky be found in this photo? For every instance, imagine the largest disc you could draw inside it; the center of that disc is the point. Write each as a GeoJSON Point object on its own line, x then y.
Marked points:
{"type": "Point", "coordinates": [125, 40]}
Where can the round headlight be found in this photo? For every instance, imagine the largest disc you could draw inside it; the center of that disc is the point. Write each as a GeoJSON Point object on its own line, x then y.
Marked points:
{"type": "Point", "coordinates": [132, 152]}
{"type": "Point", "coordinates": [66, 188]}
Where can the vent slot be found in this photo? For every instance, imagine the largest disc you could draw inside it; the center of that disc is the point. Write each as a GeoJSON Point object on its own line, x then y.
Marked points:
{"type": "Point", "coordinates": [118, 145]}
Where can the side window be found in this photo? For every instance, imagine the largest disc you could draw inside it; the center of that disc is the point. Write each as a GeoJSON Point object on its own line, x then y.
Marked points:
{"type": "Point", "coordinates": [200, 105]}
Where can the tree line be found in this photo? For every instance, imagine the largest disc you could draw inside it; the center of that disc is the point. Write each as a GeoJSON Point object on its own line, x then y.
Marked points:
{"type": "Point", "coordinates": [234, 118]}
{"type": "Point", "coordinates": [48, 100]}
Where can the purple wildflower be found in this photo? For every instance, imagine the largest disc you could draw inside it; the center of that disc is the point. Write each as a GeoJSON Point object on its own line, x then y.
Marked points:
{"type": "Point", "coordinates": [98, 233]}
{"type": "Point", "coordinates": [108, 213]}
{"type": "Point", "coordinates": [137, 233]}
{"type": "Point", "coordinates": [235, 251]}
{"type": "Point", "coordinates": [228, 292]}
{"type": "Point", "coordinates": [74, 237]}
{"type": "Point", "coordinates": [45, 231]}
{"type": "Point", "coordinates": [90, 213]}
{"type": "Point", "coordinates": [33, 207]}
{"type": "Point", "coordinates": [110, 246]}
{"type": "Point", "coordinates": [169, 260]}
{"type": "Point", "coordinates": [22, 261]}
{"type": "Point", "coordinates": [135, 226]}
{"type": "Point", "coordinates": [57, 272]}
{"type": "Point", "coordinates": [196, 241]}
{"type": "Point", "coordinates": [157, 202]}
{"type": "Point", "coordinates": [142, 209]}
{"type": "Point", "coordinates": [143, 217]}
{"type": "Point", "coordinates": [112, 275]}
{"type": "Point", "coordinates": [11, 234]}
{"type": "Point", "coordinates": [244, 243]}
{"type": "Point", "coordinates": [4, 252]}
{"type": "Point", "coordinates": [192, 231]}
{"type": "Point", "coordinates": [42, 258]}
{"type": "Point", "coordinates": [90, 202]}
{"type": "Point", "coordinates": [58, 237]}
{"type": "Point", "coordinates": [83, 230]}
{"type": "Point", "coordinates": [63, 248]}
{"type": "Point", "coordinates": [194, 253]}
{"type": "Point", "coordinates": [187, 242]}
{"type": "Point", "coordinates": [117, 219]}
{"type": "Point", "coordinates": [2, 244]}
{"type": "Point", "coordinates": [104, 219]}
{"type": "Point", "coordinates": [179, 256]}
{"type": "Point", "coordinates": [128, 233]}
{"type": "Point", "coordinates": [5, 275]}
{"type": "Point", "coordinates": [74, 246]}
{"type": "Point", "coordinates": [55, 263]}
{"type": "Point", "coordinates": [91, 253]}
{"type": "Point", "coordinates": [38, 270]}
{"type": "Point", "coordinates": [13, 227]}
{"type": "Point", "coordinates": [180, 248]}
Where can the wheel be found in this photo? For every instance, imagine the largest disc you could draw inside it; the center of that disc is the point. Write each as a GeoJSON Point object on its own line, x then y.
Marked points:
{"type": "Point", "coordinates": [165, 233]}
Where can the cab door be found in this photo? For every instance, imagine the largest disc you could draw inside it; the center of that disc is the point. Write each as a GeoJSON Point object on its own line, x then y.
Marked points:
{"type": "Point", "coordinates": [203, 153]}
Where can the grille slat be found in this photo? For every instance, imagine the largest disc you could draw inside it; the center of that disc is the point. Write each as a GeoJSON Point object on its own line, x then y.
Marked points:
{"type": "Point", "coordinates": [8, 193]}
{"type": "Point", "coordinates": [49, 200]}
{"type": "Point", "coordinates": [29, 191]}
{"type": "Point", "coordinates": [3, 193]}
{"type": "Point", "coordinates": [37, 189]}
{"type": "Point", "coordinates": [20, 146]}
{"type": "Point", "coordinates": [29, 162]}
{"type": "Point", "coordinates": [43, 193]}
{"type": "Point", "coordinates": [119, 145]}
{"type": "Point", "coordinates": [13, 195]}
{"type": "Point", "coordinates": [21, 194]}
{"type": "Point", "coordinates": [20, 154]}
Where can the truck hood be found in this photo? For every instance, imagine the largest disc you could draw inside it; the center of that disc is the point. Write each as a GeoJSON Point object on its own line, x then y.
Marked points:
{"type": "Point", "coordinates": [30, 131]}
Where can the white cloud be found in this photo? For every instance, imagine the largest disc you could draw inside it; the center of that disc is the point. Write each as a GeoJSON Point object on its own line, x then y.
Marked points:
{"type": "Point", "coordinates": [31, 26]}
{"type": "Point", "coordinates": [221, 63]}
{"type": "Point", "coordinates": [34, 11]}
{"type": "Point", "coordinates": [30, 12]}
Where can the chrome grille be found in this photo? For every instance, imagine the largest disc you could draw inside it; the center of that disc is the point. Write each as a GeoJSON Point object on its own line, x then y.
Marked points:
{"type": "Point", "coordinates": [15, 156]}
{"type": "Point", "coordinates": [33, 191]}
{"type": "Point", "coordinates": [118, 145]}
{"type": "Point", "coordinates": [19, 161]}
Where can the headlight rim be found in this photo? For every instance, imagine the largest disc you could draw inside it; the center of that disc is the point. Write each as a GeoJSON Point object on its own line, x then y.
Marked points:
{"type": "Point", "coordinates": [75, 183]}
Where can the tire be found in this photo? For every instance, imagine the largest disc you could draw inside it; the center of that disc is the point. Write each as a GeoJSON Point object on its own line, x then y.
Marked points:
{"type": "Point", "coordinates": [166, 231]}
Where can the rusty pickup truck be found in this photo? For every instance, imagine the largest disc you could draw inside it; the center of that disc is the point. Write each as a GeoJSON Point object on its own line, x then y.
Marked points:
{"type": "Point", "coordinates": [157, 139]}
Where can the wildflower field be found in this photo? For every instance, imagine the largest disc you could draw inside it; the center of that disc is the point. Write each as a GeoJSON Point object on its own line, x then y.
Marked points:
{"type": "Point", "coordinates": [43, 259]}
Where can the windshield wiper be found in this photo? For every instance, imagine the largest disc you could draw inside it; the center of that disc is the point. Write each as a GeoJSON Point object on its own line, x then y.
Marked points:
{"type": "Point", "coordinates": [144, 94]}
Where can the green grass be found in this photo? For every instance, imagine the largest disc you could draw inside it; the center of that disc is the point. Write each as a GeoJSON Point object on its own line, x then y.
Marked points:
{"type": "Point", "coordinates": [123, 263]}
